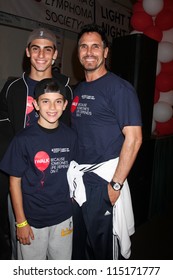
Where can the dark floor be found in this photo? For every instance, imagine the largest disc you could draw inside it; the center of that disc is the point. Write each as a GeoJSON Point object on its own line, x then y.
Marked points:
{"type": "Point", "coordinates": [153, 240]}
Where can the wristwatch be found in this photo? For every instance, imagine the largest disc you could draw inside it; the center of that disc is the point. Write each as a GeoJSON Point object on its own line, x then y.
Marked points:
{"type": "Point", "coordinates": [116, 186]}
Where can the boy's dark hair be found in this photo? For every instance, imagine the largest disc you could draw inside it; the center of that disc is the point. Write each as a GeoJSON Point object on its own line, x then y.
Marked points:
{"type": "Point", "coordinates": [94, 28]}
{"type": "Point", "coordinates": [49, 85]}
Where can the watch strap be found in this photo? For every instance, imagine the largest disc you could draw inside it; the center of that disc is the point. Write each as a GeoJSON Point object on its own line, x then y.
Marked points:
{"type": "Point", "coordinates": [112, 183]}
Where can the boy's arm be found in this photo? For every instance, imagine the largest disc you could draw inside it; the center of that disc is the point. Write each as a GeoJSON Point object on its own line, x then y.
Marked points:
{"type": "Point", "coordinates": [23, 233]}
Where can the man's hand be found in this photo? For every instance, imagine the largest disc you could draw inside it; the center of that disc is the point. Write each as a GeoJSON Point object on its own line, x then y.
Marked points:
{"type": "Point", "coordinates": [113, 195]}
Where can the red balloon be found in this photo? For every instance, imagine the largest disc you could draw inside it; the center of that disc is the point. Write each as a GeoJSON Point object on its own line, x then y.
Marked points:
{"type": "Point", "coordinates": [168, 5]}
{"type": "Point", "coordinates": [154, 33]}
{"type": "Point", "coordinates": [141, 20]}
{"type": "Point", "coordinates": [165, 128]}
{"type": "Point", "coordinates": [164, 20]}
{"type": "Point", "coordinates": [42, 160]}
{"type": "Point", "coordinates": [137, 7]}
{"type": "Point", "coordinates": [164, 81]}
{"type": "Point", "coordinates": [156, 95]}
{"type": "Point", "coordinates": [167, 67]}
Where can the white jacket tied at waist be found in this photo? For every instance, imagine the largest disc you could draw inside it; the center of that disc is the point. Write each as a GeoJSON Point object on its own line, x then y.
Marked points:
{"type": "Point", "coordinates": [123, 219]}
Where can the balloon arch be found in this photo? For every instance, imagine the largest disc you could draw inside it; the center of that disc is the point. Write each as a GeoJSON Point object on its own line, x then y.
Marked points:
{"type": "Point", "coordinates": [154, 18]}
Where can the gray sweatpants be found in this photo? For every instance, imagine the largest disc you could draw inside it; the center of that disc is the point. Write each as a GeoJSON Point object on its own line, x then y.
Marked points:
{"type": "Point", "coordinates": [52, 243]}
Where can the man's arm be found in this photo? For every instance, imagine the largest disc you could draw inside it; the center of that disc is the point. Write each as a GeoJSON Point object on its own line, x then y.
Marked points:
{"type": "Point", "coordinates": [129, 151]}
{"type": "Point", "coordinates": [24, 233]}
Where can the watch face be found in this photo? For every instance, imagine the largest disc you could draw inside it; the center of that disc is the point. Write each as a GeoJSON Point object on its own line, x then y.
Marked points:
{"type": "Point", "coordinates": [116, 186]}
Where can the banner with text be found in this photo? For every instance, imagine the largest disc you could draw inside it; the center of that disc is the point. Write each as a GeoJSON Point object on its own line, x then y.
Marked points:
{"type": "Point", "coordinates": [70, 15]}
{"type": "Point", "coordinates": [114, 17]}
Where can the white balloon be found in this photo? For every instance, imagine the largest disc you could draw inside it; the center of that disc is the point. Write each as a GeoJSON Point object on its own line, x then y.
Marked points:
{"type": "Point", "coordinates": [158, 67]}
{"type": "Point", "coordinates": [135, 32]}
{"type": "Point", "coordinates": [153, 126]}
{"type": "Point", "coordinates": [153, 7]}
{"type": "Point", "coordinates": [165, 52]}
{"type": "Point", "coordinates": [162, 111]}
{"type": "Point", "coordinates": [167, 97]}
{"type": "Point", "coordinates": [168, 35]}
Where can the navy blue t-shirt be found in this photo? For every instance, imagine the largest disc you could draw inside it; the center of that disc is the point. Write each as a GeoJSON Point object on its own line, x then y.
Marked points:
{"type": "Point", "coordinates": [41, 159]}
{"type": "Point", "coordinates": [31, 114]}
{"type": "Point", "coordinates": [100, 110]}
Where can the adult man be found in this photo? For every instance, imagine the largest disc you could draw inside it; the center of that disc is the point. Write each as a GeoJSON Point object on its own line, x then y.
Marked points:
{"type": "Point", "coordinates": [106, 116]}
{"type": "Point", "coordinates": [16, 108]}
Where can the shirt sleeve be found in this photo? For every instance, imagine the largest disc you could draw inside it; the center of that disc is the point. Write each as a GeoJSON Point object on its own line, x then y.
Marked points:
{"type": "Point", "coordinates": [14, 162]}
{"type": "Point", "coordinates": [125, 105]}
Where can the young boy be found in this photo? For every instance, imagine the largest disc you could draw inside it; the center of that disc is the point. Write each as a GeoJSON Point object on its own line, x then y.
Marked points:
{"type": "Point", "coordinates": [37, 161]}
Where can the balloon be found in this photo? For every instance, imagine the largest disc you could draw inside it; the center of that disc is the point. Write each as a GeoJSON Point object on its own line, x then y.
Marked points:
{"type": "Point", "coordinates": [154, 33]}
{"type": "Point", "coordinates": [42, 160]}
{"type": "Point", "coordinates": [162, 111]}
{"type": "Point", "coordinates": [168, 35]}
{"type": "Point", "coordinates": [141, 20]}
{"type": "Point", "coordinates": [164, 81]}
{"type": "Point", "coordinates": [153, 7]}
{"type": "Point", "coordinates": [158, 67]}
{"type": "Point", "coordinates": [136, 32]}
{"type": "Point", "coordinates": [168, 5]}
{"type": "Point", "coordinates": [167, 97]}
{"type": "Point", "coordinates": [167, 67]}
{"type": "Point", "coordinates": [165, 128]}
{"type": "Point", "coordinates": [164, 20]}
{"type": "Point", "coordinates": [153, 126]}
{"type": "Point", "coordinates": [156, 95]}
{"type": "Point", "coordinates": [137, 7]}
{"type": "Point", "coordinates": [165, 52]}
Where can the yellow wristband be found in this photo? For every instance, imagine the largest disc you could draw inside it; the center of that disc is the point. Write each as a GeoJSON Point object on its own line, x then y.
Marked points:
{"type": "Point", "coordinates": [22, 224]}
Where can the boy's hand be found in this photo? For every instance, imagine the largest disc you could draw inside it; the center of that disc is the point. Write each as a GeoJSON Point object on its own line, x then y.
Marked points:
{"type": "Point", "coordinates": [25, 234]}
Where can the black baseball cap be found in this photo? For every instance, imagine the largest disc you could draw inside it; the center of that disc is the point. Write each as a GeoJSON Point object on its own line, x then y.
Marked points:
{"type": "Point", "coordinates": [49, 85]}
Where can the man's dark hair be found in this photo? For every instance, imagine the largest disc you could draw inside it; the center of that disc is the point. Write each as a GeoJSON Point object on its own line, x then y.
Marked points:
{"type": "Point", "coordinates": [94, 28]}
